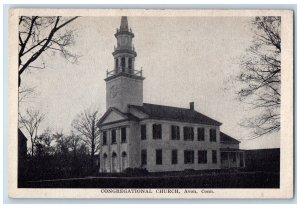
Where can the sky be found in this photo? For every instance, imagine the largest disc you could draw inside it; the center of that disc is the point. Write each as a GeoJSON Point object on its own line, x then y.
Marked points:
{"type": "Point", "coordinates": [183, 59]}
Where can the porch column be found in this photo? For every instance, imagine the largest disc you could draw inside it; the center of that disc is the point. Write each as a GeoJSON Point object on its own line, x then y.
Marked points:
{"type": "Point", "coordinates": [116, 64]}
{"type": "Point", "coordinates": [236, 159]}
{"type": "Point", "coordinates": [126, 64]}
{"type": "Point", "coordinates": [119, 64]}
{"type": "Point", "coordinates": [132, 65]}
{"type": "Point", "coordinates": [109, 159]}
{"type": "Point", "coordinates": [100, 154]}
{"type": "Point", "coordinates": [228, 159]}
{"type": "Point", "coordinates": [244, 159]}
{"type": "Point", "coordinates": [119, 149]}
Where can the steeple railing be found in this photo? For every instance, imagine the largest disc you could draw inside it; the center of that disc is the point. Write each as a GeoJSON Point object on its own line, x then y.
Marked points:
{"type": "Point", "coordinates": [138, 73]}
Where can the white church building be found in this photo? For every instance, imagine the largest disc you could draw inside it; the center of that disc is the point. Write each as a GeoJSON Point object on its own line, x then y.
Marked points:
{"type": "Point", "coordinates": [158, 138]}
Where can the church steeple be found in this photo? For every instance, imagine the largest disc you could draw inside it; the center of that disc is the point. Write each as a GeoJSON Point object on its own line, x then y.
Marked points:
{"type": "Point", "coordinates": [124, 24]}
{"type": "Point", "coordinates": [124, 54]}
{"type": "Point", "coordinates": [124, 84]}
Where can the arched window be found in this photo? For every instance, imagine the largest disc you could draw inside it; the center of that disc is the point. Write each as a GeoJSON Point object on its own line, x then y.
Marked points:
{"type": "Point", "coordinates": [114, 162]}
{"type": "Point", "coordinates": [104, 155]}
{"type": "Point", "coordinates": [123, 64]}
{"type": "Point", "coordinates": [129, 63]}
{"type": "Point", "coordinates": [124, 154]}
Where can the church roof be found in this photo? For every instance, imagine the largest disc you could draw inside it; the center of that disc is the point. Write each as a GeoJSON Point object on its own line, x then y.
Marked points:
{"type": "Point", "coordinates": [175, 114]}
{"type": "Point", "coordinates": [228, 139]}
{"type": "Point", "coordinates": [127, 116]}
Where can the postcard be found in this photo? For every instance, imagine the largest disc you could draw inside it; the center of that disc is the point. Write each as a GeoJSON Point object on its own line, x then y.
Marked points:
{"type": "Point", "coordinates": [151, 104]}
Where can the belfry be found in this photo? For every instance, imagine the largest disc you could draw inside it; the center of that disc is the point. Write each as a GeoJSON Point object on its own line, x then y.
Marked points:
{"type": "Point", "coordinates": [124, 84]}
{"type": "Point", "coordinates": [124, 54]}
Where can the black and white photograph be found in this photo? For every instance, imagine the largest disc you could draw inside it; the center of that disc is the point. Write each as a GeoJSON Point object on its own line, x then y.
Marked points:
{"type": "Point", "coordinates": [185, 103]}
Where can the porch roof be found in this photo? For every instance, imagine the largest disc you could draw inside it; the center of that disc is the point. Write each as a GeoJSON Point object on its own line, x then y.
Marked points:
{"type": "Point", "coordinates": [228, 139]}
{"type": "Point", "coordinates": [231, 150]}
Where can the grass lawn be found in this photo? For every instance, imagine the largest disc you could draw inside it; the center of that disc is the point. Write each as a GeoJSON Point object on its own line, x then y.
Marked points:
{"type": "Point", "coordinates": [196, 180]}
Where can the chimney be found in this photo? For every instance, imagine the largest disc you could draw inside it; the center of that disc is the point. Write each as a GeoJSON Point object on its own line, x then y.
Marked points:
{"type": "Point", "coordinates": [192, 106]}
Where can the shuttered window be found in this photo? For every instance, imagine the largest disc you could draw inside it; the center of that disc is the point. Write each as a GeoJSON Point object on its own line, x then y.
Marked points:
{"type": "Point", "coordinates": [104, 135]}
{"type": "Point", "coordinates": [123, 135]}
{"type": "Point", "coordinates": [202, 156]}
{"type": "Point", "coordinates": [158, 157]}
{"type": "Point", "coordinates": [113, 136]}
{"type": "Point", "coordinates": [175, 132]}
{"type": "Point", "coordinates": [188, 156]}
{"type": "Point", "coordinates": [201, 134]}
{"type": "Point", "coordinates": [156, 131]}
{"type": "Point", "coordinates": [174, 157]}
{"type": "Point", "coordinates": [214, 156]}
{"type": "Point", "coordinates": [143, 132]}
{"type": "Point", "coordinates": [144, 157]}
{"type": "Point", "coordinates": [188, 133]}
{"type": "Point", "coordinates": [213, 135]}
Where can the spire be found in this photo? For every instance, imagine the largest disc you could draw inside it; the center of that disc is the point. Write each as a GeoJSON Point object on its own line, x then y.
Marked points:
{"type": "Point", "coordinates": [124, 24]}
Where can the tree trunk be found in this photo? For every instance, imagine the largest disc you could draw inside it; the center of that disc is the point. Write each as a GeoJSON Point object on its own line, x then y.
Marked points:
{"type": "Point", "coordinates": [92, 160]}
{"type": "Point", "coordinates": [19, 81]}
{"type": "Point", "coordinates": [32, 147]}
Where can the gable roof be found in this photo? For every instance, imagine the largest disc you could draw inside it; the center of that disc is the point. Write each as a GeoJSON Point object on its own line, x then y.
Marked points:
{"type": "Point", "coordinates": [224, 138]}
{"type": "Point", "coordinates": [174, 114]}
{"type": "Point", "coordinates": [127, 116]}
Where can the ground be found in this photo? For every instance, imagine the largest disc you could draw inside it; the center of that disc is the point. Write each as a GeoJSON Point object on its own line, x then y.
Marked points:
{"type": "Point", "coordinates": [238, 179]}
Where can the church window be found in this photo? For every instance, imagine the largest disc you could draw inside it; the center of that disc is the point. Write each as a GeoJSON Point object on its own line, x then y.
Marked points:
{"type": "Point", "coordinates": [188, 133]}
{"type": "Point", "coordinates": [174, 157]}
{"type": "Point", "coordinates": [202, 156]}
{"type": "Point", "coordinates": [201, 134]}
{"type": "Point", "coordinates": [143, 132]}
{"type": "Point", "coordinates": [214, 156]}
{"type": "Point", "coordinates": [130, 63]}
{"type": "Point", "coordinates": [158, 157]}
{"type": "Point", "coordinates": [123, 64]}
{"type": "Point", "coordinates": [113, 136]}
{"type": "Point", "coordinates": [104, 137]}
{"type": "Point", "coordinates": [175, 132]}
{"type": "Point", "coordinates": [156, 131]}
{"type": "Point", "coordinates": [144, 157]}
{"type": "Point", "coordinates": [114, 162]}
{"type": "Point", "coordinates": [123, 134]}
{"type": "Point", "coordinates": [124, 154]}
{"type": "Point", "coordinates": [213, 135]}
{"type": "Point", "coordinates": [188, 156]}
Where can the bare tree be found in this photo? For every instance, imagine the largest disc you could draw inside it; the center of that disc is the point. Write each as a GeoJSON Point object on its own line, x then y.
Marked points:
{"type": "Point", "coordinates": [74, 141]}
{"type": "Point", "coordinates": [86, 125]}
{"type": "Point", "coordinates": [31, 122]}
{"type": "Point", "coordinates": [26, 94]}
{"type": "Point", "coordinates": [62, 143]}
{"type": "Point", "coordinates": [46, 140]}
{"type": "Point", "coordinates": [260, 77]}
{"type": "Point", "coordinates": [41, 34]}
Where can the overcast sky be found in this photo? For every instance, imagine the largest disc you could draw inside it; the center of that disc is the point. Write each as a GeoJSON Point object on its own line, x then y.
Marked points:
{"type": "Point", "coordinates": [183, 58]}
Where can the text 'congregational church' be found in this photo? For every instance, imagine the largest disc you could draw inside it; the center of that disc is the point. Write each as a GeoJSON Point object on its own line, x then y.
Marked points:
{"type": "Point", "coordinates": [156, 137]}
